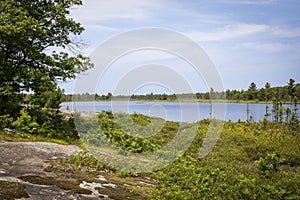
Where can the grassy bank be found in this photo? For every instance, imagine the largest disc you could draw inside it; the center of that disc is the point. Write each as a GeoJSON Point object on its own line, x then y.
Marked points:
{"type": "Point", "coordinates": [31, 138]}
{"type": "Point", "coordinates": [251, 160]}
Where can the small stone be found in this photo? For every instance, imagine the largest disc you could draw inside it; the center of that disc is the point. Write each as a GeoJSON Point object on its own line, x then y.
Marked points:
{"type": "Point", "coordinates": [9, 131]}
{"type": "Point", "coordinates": [109, 185]}
{"type": "Point", "coordinates": [146, 184]}
{"type": "Point", "coordinates": [102, 178]}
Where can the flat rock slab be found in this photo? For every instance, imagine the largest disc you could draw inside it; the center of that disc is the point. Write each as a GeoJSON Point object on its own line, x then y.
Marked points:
{"type": "Point", "coordinates": [21, 158]}
{"type": "Point", "coordinates": [27, 158]}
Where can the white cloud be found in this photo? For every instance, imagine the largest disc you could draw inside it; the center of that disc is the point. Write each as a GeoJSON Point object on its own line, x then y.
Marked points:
{"type": "Point", "coordinates": [286, 32]}
{"type": "Point", "coordinates": [98, 27]}
{"type": "Point", "coordinates": [265, 47]}
{"type": "Point", "coordinates": [229, 32]}
{"type": "Point", "coordinates": [249, 2]}
{"type": "Point", "coordinates": [101, 10]}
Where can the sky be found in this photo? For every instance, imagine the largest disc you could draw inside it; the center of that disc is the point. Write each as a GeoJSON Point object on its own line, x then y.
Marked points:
{"type": "Point", "coordinates": [247, 40]}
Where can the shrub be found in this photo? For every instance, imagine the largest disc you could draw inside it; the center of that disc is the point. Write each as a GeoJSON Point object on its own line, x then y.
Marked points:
{"type": "Point", "coordinates": [25, 123]}
{"type": "Point", "coordinates": [269, 163]}
{"type": "Point", "coordinates": [5, 121]}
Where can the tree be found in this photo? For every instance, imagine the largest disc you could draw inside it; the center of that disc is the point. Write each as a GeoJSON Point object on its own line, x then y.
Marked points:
{"type": "Point", "coordinates": [267, 97]}
{"type": "Point", "coordinates": [38, 48]}
{"type": "Point", "coordinates": [267, 91]}
{"type": "Point", "coordinates": [28, 32]}
{"type": "Point", "coordinates": [109, 96]}
{"type": "Point", "coordinates": [228, 94]}
{"type": "Point", "coordinates": [212, 94]}
{"type": "Point", "coordinates": [291, 89]}
{"type": "Point", "coordinates": [298, 91]}
{"type": "Point", "coordinates": [252, 91]}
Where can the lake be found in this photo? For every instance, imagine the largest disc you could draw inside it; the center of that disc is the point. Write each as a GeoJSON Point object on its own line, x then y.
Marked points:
{"type": "Point", "coordinates": [179, 111]}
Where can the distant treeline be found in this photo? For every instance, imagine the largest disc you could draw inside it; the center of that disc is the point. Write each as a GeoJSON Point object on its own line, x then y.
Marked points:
{"type": "Point", "coordinates": [289, 93]}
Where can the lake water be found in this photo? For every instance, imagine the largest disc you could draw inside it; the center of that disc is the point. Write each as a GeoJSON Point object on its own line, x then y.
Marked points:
{"type": "Point", "coordinates": [179, 111]}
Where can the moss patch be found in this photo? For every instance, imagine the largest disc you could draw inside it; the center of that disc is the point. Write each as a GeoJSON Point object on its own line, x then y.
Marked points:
{"type": "Point", "coordinates": [119, 193]}
{"type": "Point", "coordinates": [72, 185]}
{"type": "Point", "coordinates": [126, 187]}
{"type": "Point", "coordinates": [12, 190]}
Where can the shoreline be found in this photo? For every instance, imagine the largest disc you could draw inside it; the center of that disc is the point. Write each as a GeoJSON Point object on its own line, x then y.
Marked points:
{"type": "Point", "coordinates": [186, 100]}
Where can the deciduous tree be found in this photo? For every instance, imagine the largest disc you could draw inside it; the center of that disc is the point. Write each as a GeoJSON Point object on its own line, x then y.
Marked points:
{"type": "Point", "coordinates": [36, 41]}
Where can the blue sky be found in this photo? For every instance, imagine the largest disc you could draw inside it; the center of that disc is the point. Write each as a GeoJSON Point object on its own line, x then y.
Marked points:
{"type": "Point", "coordinates": [248, 40]}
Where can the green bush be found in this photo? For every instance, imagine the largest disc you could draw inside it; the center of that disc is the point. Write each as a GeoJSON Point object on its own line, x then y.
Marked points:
{"type": "Point", "coordinates": [25, 123]}
{"type": "Point", "coordinates": [5, 121]}
{"type": "Point", "coordinates": [46, 123]}
{"type": "Point", "coordinates": [84, 159]}
{"type": "Point", "coordinates": [269, 163]}
{"type": "Point", "coordinates": [111, 129]}
{"type": "Point", "coordinates": [239, 167]}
